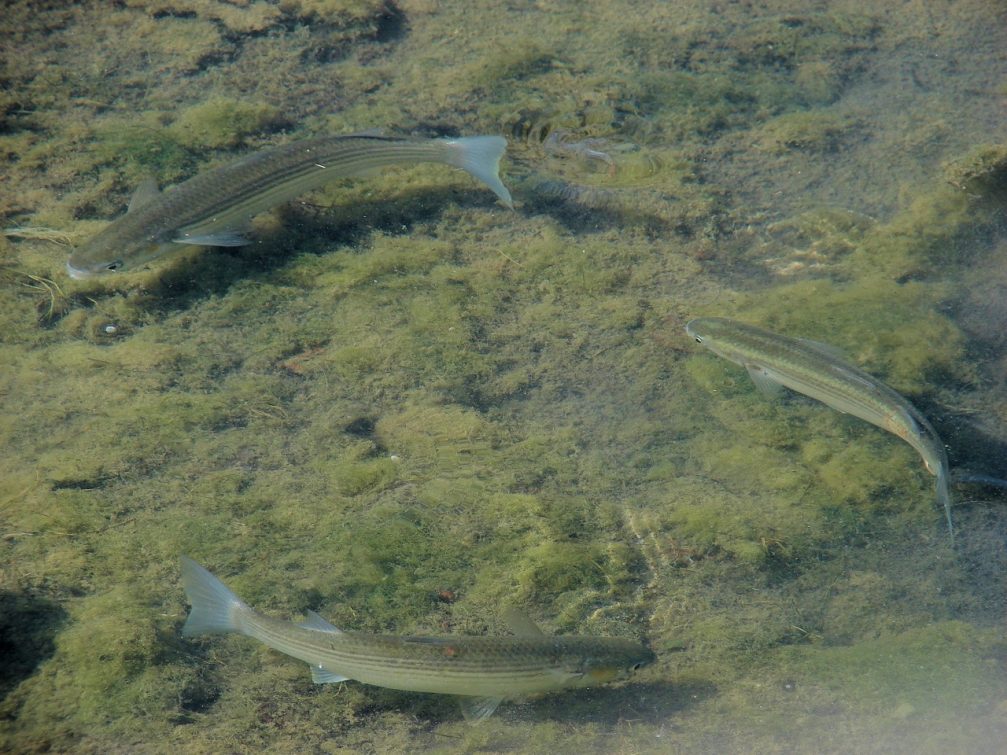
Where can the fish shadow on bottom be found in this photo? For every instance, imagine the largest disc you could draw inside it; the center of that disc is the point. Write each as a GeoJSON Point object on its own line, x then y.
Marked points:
{"type": "Point", "coordinates": [303, 228]}
{"type": "Point", "coordinates": [644, 703]}
{"type": "Point", "coordinates": [28, 628]}
{"type": "Point", "coordinates": [982, 553]}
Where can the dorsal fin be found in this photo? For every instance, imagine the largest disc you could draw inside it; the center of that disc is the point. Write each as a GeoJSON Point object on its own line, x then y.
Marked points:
{"type": "Point", "coordinates": [476, 709]}
{"type": "Point", "coordinates": [825, 349]}
{"type": "Point", "coordinates": [145, 193]}
{"type": "Point", "coordinates": [318, 624]}
{"type": "Point", "coordinates": [764, 382]}
{"type": "Point", "coordinates": [521, 623]}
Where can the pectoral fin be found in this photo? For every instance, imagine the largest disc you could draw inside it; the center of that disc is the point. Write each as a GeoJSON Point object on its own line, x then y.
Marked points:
{"type": "Point", "coordinates": [766, 385]}
{"type": "Point", "coordinates": [320, 675]}
{"type": "Point", "coordinates": [476, 709]}
{"type": "Point", "coordinates": [521, 623]}
{"type": "Point", "coordinates": [223, 238]}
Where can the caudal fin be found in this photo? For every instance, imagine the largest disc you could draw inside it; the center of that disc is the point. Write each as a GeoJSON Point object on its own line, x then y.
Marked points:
{"type": "Point", "coordinates": [215, 609]}
{"type": "Point", "coordinates": [479, 156]}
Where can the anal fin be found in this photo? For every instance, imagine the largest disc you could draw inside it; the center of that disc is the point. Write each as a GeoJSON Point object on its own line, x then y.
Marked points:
{"type": "Point", "coordinates": [321, 675]}
{"type": "Point", "coordinates": [476, 709]}
{"type": "Point", "coordinates": [766, 385]}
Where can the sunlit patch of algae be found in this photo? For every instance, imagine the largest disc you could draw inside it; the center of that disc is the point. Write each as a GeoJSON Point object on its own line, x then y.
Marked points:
{"type": "Point", "coordinates": [405, 392]}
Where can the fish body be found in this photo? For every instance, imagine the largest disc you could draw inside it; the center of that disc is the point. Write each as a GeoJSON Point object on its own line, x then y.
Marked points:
{"type": "Point", "coordinates": [214, 208]}
{"type": "Point", "coordinates": [817, 370]}
{"type": "Point", "coordinates": [481, 670]}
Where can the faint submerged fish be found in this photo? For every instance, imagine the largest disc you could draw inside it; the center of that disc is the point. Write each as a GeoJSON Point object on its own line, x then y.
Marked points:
{"type": "Point", "coordinates": [818, 370]}
{"type": "Point", "coordinates": [558, 143]}
{"type": "Point", "coordinates": [214, 208]}
{"type": "Point", "coordinates": [481, 670]}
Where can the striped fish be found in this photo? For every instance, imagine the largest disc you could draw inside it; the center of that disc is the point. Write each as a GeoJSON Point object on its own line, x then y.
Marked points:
{"type": "Point", "coordinates": [819, 371]}
{"type": "Point", "coordinates": [482, 671]}
{"type": "Point", "coordinates": [214, 208]}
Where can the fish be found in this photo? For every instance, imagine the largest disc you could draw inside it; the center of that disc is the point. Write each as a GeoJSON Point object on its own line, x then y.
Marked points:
{"type": "Point", "coordinates": [819, 371]}
{"type": "Point", "coordinates": [214, 208]}
{"type": "Point", "coordinates": [481, 670]}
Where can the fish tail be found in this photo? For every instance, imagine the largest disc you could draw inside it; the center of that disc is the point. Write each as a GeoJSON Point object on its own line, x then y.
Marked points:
{"type": "Point", "coordinates": [215, 609]}
{"type": "Point", "coordinates": [479, 156]}
{"type": "Point", "coordinates": [944, 498]}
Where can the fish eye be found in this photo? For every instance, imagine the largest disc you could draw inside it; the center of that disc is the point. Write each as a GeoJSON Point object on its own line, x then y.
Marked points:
{"type": "Point", "coordinates": [113, 266]}
{"type": "Point", "coordinates": [699, 339]}
{"type": "Point", "coordinates": [636, 666]}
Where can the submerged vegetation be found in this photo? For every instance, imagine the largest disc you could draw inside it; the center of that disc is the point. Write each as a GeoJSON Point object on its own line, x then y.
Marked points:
{"type": "Point", "coordinates": [404, 406]}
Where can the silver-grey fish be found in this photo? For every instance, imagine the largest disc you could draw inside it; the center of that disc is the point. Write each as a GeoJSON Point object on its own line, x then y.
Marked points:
{"type": "Point", "coordinates": [818, 370]}
{"type": "Point", "coordinates": [482, 671]}
{"type": "Point", "coordinates": [214, 208]}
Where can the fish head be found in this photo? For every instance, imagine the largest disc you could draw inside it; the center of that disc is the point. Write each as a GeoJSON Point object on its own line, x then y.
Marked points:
{"type": "Point", "coordinates": [713, 333]}
{"type": "Point", "coordinates": [611, 661]}
{"type": "Point", "coordinates": [705, 330]}
{"type": "Point", "coordinates": [77, 269]}
{"type": "Point", "coordinates": [124, 244]}
{"type": "Point", "coordinates": [103, 255]}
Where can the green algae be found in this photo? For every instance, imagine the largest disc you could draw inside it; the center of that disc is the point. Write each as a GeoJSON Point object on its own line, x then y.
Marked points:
{"type": "Point", "coordinates": [905, 674]}
{"type": "Point", "coordinates": [981, 172]}
{"type": "Point", "coordinates": [819, 131]}
{"type": "Point", "coordinates": [404, 393]}
{"type": "Point", "coordinates": [887, 325]}
{"type": "Point", "coordinates": [167, 146]}
{"type": "Point", "coordinates": [237, 17]}
{"type": "Point", "coordinates": [887, 337]}
{"type": "Point", "coordinates": [337, 10]}
{"type": "Point", "coordinates": [222, 122]}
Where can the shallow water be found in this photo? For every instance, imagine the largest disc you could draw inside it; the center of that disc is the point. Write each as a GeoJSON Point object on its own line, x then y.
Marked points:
{"type": "Point", "coordinates": [405, 405]}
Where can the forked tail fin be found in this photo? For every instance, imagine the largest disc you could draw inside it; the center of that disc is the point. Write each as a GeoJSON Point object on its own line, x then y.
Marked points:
{"type": "Point", "coordinates": [215, 609]}
{"type": "Point", "coordinates": [479, 156]}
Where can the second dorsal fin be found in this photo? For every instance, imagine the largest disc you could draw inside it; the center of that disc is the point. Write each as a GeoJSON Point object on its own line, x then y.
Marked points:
{"type": "Point", "coordinates": [145, 193]}
{"type": "Point", "coordinates": [521, 623]}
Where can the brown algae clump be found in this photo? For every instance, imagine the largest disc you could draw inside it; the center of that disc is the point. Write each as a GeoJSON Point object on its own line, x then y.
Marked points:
{"type": "Point", "coordinates": [222, 122]}
{"type": "Point", "coordinates": [982, 172]}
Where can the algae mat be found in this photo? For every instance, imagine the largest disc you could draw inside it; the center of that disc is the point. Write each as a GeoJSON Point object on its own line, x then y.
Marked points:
{"type": "Point", "coordinates": [405, 405]}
